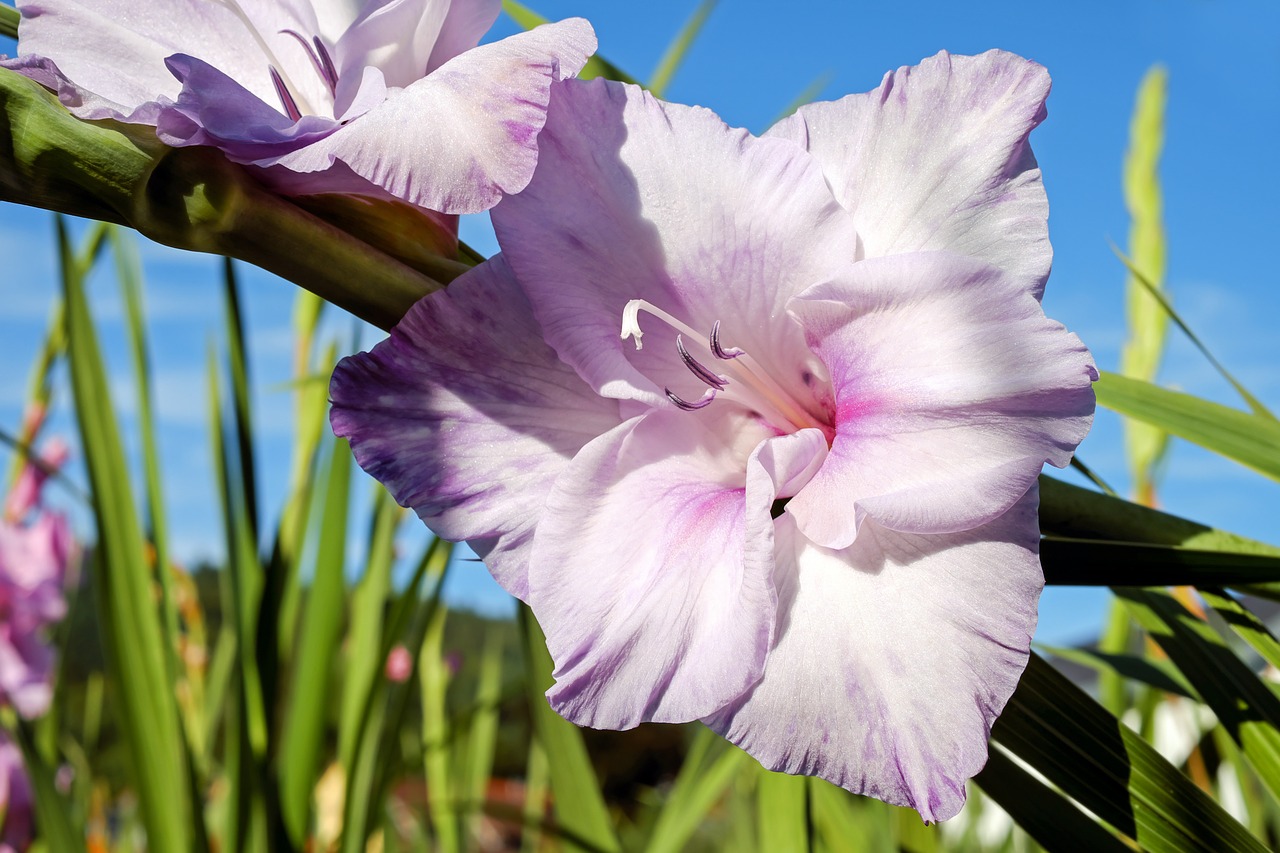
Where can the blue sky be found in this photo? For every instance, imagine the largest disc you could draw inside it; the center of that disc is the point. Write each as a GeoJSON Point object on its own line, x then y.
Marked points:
{"type": "Point", "coordinates": [1220, 185]}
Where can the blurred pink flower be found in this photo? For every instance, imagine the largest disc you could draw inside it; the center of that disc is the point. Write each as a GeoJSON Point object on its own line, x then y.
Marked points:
{"type": "Point", "coordinates": [17, 802]}
{"type": "Point", "coordinates": [399, 664]}
{"type": "Point", "coordinates": [34, 554]}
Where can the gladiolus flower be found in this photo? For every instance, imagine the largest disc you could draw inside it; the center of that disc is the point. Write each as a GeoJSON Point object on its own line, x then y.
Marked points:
{"type": "Point", "coordinates": [384, 98]}
{"type": "Point", "coordinates": [33, 561]}
{"type": "Point", "coordinates": [796, 498]}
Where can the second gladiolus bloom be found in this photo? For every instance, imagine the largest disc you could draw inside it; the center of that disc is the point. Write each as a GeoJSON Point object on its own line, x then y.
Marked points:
{"type": "Point", "coordinates": [754, 424]}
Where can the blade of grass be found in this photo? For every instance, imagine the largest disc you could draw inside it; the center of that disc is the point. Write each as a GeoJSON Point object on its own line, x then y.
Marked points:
{"type": "Point", "coordinates": [129, 277]}
{"type": "Point", "coordinates": [1243, 437]}
{"type": "Point", "coordinates": [364, 639]}
{"type": "Point", "coordinates": [1087, 562]}
{"type": "Point", "coordinates": [1145, 445]}
{"type": "Point", "coordinates": [303, 727]}
{"type": "Point", "coordinates": [433, 675]}
{"type": "Point", "coordinates": [709, 767]}
{"type": "Point", "coordinates": [676, 52]}
{"type": "Point", "coordinates": [1244, 704]}
{"type": "Point", "coordinates": [246, 736]}
{"type": "Point", "coordinates": [579, 804]}
{"type": "Point", "coordinates": [1056, 823]}
{"type": "Point", "coordinates": [1055, 728]}
{"type": "Point", "coordinates": [131, 626]}
{"type": "Point", "coordinates": [385, 710]}
{"type": "Point", "coordinates": [54, 815]}
{"type": "Point", "coordinates": [1157, 673]}
{"type": "Point", "coordinates": [782, 804]}
{"type": "Point", "coordinates": [482, 735]}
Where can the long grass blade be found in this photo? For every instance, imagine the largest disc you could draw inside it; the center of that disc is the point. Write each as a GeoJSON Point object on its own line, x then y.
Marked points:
{"type": "Point", "coordinates": [782, 815]}
{"type": "Point", "coordinates": [676, 52]}
{"type": "Point", "coordinates": [708, 769]}
{"type": "Point", "coordinates": [131, 626]}
{"type": "Point", "coordinates": [1079, 562]}
{"type": "Point", "coordinates": [1145, 444]}
{"type": "Point", "coordinates": [303, 728]}
{"type": "Point", "coordinates": [1243, 437]}
{"type": "Point", "coordinates": [579, 804]}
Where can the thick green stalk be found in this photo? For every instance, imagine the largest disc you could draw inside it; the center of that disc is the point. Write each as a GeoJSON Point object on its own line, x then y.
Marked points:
{"type": "Point", "coordinates": [194, 198]}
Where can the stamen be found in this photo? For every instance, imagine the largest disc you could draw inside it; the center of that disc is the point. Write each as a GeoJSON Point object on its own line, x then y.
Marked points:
{"type": "Point", "coordinates": [697, 369]}
{"type": "Point", "coordinates": [631, 321]}
{"type": "Point", "coordinates": [702, 403]}
{"type": "Point", "coordinates": [330, 70]}
{"type": "Point", "coordinates": [320, 59]}
{"type": "Point", "coordinates": [295, 94]}
{"type": "Point", "coordinates": [286, 98]}
{"type": "Point", "coordinates": [717, 350]}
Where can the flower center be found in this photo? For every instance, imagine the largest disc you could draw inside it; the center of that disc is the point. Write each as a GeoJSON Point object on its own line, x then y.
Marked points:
{"type": "Point", "coordinates": [292, 99]}
{"type": "Point", "coordinates": [744, 380]}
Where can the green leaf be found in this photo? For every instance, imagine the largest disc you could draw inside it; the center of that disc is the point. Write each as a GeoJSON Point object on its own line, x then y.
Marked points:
{"type": "Point", "coordinates": [1079, 513]}
{"type": "Point", "coordinates": [1109, 769]}
{"type": "Point", "coordinates": [1050, 818]}
{"type": "Point", "coordinates": [1255, 405]}
{"type": "Point", "coordinates": [303, 728]}
{"type": "Point", "coordinates": [365, 658]}
{"type": "Point", "coordinates": [58, 829]}
{"type": "Point", "coordinates": [782, 812]}
{"type": "Point", "coordinates": [1243, 437]}
{"type": "Point", "coordinates": [711, 764]}
{"type": "Point", "coordinates": [147, 711]}
{"type": "Point", "coordinates": [580, 808]}
{"type": "Point", "coordinates": [433, 674]}
{"type": "Point", "coordinates": [1244, 704]}
{"type": "Point", "coordinates": [9, 18]}
{"type": "Point", "coordinates": [1159, 674]}
{"type": "Point", "coordinates": [1140, 356]}
{"type": "Point", "coordinates": [1246, 625]}
{"type": "Point", "coordinates": [676, 52]}
{"type": "Point", "coordinates": [1081, 562]}
{"type": "Point", "coordinates": [129, 276]}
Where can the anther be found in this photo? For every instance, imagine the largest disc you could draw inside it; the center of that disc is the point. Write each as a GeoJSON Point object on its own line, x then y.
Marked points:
{"type": "Point", "coordinates": [697, 369]}
{"type": "Point", "coordinates": [286, 99]}
{"type": "Point", "coordinates": [319, 56]}
{"type": "Point", "coordinates": [717, 350]}
{"type": "Point", "coordinates": [702, 403]}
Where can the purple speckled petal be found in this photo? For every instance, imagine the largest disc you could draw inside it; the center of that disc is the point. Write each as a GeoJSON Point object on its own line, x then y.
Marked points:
{"type": "Point", "coordinates": [652, 566]}
{"type": "Point", "coordinates": [952, 390]}
{"type": "Point", "coordinates": [459, 139]}
{"type": "Point", "coordinates": [468, 417]}
{"type": "Point", "coordinates": [893, 658]}
{"type": "Point", "coordinates": [937, 158]}
{"type": "Point", "coordinates": [666, 203]}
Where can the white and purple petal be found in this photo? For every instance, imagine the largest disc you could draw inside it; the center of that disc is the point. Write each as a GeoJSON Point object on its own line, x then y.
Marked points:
{"type": "Point", "coordinates": [893, 658]}
{"type": "Point", "coordinates": [952, 390]}
{"type": "Point", "coordinates": [458, 140]}
{"type": "Point", "coordinates": [666, 203]}
{"type": "Point", "coordinates": [468, 417]}
{"type": "Point", "coordinates": [937, 158]}
{"type": "Point", "coordinates": [653, 563]}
